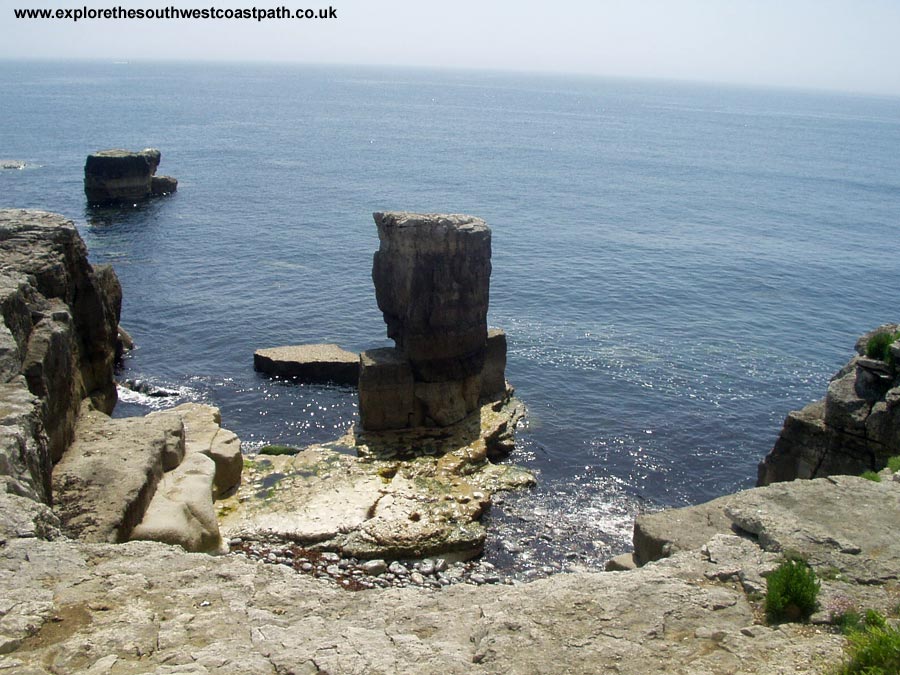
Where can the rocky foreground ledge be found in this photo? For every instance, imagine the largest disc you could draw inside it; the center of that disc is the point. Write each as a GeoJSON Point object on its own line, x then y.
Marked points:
{"type": "Point", "coordinates": [145, 607]}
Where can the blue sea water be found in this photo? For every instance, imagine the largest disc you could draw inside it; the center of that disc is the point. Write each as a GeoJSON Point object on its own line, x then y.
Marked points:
{"type": "Point", "coordinates": [676, 265]}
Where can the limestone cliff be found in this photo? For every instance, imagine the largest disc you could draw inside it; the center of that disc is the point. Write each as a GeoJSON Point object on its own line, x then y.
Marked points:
{"type": "Point", "coordinates": [57, 343]}
{"type": "Point", "coordinates": [855, 428]}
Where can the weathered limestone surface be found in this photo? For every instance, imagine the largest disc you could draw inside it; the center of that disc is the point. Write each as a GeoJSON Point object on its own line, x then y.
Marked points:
{"type": "Point", "coordinates": [400, 494]}
{"type": "Point", "coordinates": [120, 176]}
{"type": "Point", "coordinates": [144, 607]}
{"type": "Point", "coordinates": [432, 279]}
{"type": "Point", "coordinates": [841, 522]}
{"type": "Point", "coordinates": [386, 390]}
{"type": "Point", "coordinates": [204, 435]}
{"type": "Point", "coordinates": [855, 428]}
{"type": "Point", "coordinates": [106, 479]}
{"type": "Point", "coordinates": [309, 363]}
{"type": "Point", "coordinates": [493, 375]}
{"type": "Point", "coordinates": [182, 511]}
{"type": "Point", "coordinates": [57, 342]}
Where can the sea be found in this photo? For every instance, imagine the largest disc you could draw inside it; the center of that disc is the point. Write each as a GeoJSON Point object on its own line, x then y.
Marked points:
{"type": "Point", "coordinates": [676, 265]}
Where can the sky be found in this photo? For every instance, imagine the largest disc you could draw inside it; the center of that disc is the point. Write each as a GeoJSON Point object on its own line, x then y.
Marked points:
{"type": "Point", "coordinates": [846, 45]}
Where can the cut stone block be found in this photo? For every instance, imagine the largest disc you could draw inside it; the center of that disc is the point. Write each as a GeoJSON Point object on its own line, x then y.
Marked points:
{"type": "Point", "coordinates": [310, 363]}
{"type": "Point", "coordinates": [386, 390]}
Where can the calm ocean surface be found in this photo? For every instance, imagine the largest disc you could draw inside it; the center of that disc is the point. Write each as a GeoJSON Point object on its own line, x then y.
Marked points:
{"type": "Point", "coordinates": [677, 266]}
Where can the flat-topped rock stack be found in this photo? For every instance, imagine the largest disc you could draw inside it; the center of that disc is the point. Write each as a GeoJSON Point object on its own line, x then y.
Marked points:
{"type": "Point", "coordinates": [432, 283]}
{"type": "Point", "coordinates": [124, 177]}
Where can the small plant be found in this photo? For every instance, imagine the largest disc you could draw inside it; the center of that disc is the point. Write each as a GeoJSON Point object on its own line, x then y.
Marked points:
{"type": "Point", "coordinates": [879, 346]}
{"type": "Point", "coordinates": [873, 650]}
{"type": "Point", "coordinates": [849, 621]}
{"type": "Point", "coordinates": [893, 463]}
{"type": "Point", "coordinates": [873, 476]}
{"type": "Point", "coordinates": [792, 592]}
{"type": "Point", "coordinates": [278, 450]}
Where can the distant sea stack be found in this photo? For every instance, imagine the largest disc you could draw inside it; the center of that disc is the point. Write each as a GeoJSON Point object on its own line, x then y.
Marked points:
{"type": "Point", "coordinates": [123, 177]}
{"type": "Point", "coordinates": [432, 280]}
{"type": "Point", "coordinates": [855, 428]}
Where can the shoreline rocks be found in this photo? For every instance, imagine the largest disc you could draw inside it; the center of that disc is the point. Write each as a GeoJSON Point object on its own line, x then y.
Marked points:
{"type": "Point", "coordinates": [57, 342]}
{"type": "Point", "coordinates": [390, 495]}
{"type": "Point", "coordinates": [854, 429]}
{"type": "Point", "coordinates": [123, 177]}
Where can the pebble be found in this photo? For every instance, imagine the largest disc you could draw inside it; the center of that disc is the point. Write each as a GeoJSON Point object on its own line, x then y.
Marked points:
{"type": "Point", "coordinates": [398, 569]}
{"type": "Point", "coordinates": [354, 574]}
{"type": "Point", "coordinates": [374, 567]}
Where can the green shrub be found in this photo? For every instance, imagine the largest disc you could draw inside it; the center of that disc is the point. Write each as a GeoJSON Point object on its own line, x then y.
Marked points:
{"type": "Point", "coordinates": [849, 621]}
{"type": "Point", "coordinates": [791, 592]}
{"type": "Point", "coordinates": [878, 346]}
{"type": "Point", "coordinates": [893, 463]}
{"type": "Point", "coordinates": [874, 650]}
{"type": "Point", "coordinates": [871, 475]}
{"type": "Point", "coordinates": [278, 450]}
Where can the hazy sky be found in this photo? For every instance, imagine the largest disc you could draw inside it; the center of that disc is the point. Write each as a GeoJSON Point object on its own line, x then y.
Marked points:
{"type": "Point", "coordinates": [833, 44]}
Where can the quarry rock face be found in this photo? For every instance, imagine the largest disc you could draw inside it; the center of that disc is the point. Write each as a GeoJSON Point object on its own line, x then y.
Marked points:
{"type": "Point", "coordinates": [120, 176]}
{"type": "Point", "coordinates": [57, 343]}
{"type": "Point", "coordinates": [432, 283]}
{"type": "Point", "coordinates": [854, 429]}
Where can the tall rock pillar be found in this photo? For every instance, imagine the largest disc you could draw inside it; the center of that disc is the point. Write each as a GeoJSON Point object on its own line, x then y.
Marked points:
{"type": "Point", "coordinates": [432, 280]}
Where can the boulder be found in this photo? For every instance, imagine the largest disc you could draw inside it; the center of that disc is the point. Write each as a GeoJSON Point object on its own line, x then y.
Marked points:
{"type": "Point", "coordinates": [432, 277]}
{"type": "Point", "coordinates": [386, 390]}
{"type": "Point", "coordinates": [107, 477]}
{"type": "Point", "coordinates": [309, 363]}
{"type": "Point", "coordinates": [23, 517]}
{"type": "Point", "coordinates": [123, 177]}
{"type": "Point", "coordinates": [182, 512]}
{"type": "Point", "coordinates": [204, 435]}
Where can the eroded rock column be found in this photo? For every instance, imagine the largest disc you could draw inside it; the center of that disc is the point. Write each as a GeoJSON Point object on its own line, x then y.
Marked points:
{"type": "Point", "coordinates": [432, 281]}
